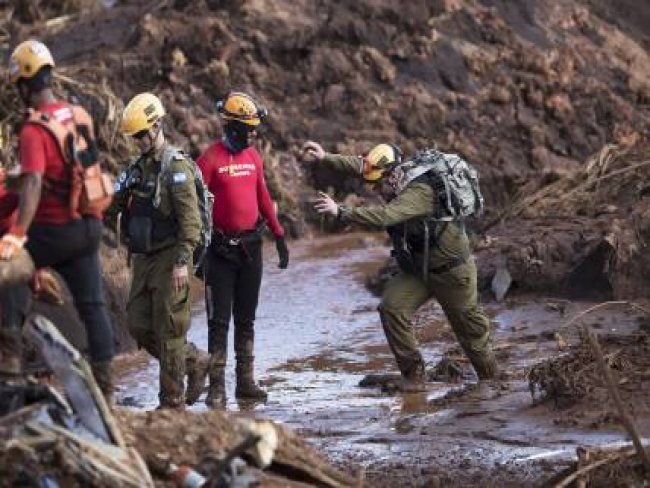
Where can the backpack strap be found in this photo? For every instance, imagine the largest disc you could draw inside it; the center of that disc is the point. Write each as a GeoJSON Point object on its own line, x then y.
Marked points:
{"type": "Point", "coordinates": [64, 135]}
{"type": "Point", "coordinates": [170, 153]}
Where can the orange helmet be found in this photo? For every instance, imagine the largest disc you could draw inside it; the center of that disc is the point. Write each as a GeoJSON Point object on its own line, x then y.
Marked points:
{"type": "Point", "coordinates": [241, 107]}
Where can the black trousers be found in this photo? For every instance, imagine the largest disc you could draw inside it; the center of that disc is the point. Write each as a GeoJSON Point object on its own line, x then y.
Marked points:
{"type": "Point", "coordinates": [72, 250]}
{"type": "Point", "coordinates": [233, 276]}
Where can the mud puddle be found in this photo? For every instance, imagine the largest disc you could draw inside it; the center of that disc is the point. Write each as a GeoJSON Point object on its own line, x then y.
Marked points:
{"type": "Point", "coordinates": [318, 334]}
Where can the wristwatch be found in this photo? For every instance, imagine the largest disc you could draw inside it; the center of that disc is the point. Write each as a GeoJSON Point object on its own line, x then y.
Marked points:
{"type": "Point", "coordinates": [182, 261]}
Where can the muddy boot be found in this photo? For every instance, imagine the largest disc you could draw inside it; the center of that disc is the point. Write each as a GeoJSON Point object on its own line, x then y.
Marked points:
{"type": "Point", "coordinates": [413, 381]}
{"type": "Point", "coordinates": [244, 345]}
{"type": "Point", "coordinates": [196, 369]}
{"type": "Point", "coordinates": [11, 345]}
{"type": "Point", "coordinates": [217, 390]}
{"type": "Point", "coordinates": [485, 366]}
{"type": "Point", "coordinates": [103, 373]}
{"type": "Point", "coordinates": [246, 387]}
{"type": "Point", "coordinates": [177, 403]}
{"type": "Point", "coordinates": [172, 373]}
{"type": "Point", "coordinates": [217, 347]}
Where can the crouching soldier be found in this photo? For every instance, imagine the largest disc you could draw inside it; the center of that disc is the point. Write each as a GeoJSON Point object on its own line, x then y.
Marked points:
{"type": "Point", "coordinates": [160, 217]}
{"type": "Point", "coordinates": [434, 257]}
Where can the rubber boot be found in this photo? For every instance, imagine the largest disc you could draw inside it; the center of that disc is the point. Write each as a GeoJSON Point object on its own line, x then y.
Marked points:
{"type": "Point", "coordinates": [413, 381]}
{"type": "Point", "coordinates": [11, 345]}
{"type": "Point", "coordinates": [218, 347]}
{"type": "Point", "coordinates": [196, 369]}
{"type": "Point", "coordinates": [246, 387]}
{"type": "Point", "coordinates": [103, 373]}
{"type": "Point", "coordinates": [244, 345]}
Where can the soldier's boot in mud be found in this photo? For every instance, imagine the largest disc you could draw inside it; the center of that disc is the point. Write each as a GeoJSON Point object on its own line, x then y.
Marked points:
{"type": "Point", "coordinates": [196, 368]}
{"type": "Point", "coordinates": [244, 345]}
{"type": "Point", "coordinates": [485, 365]}
{"type": "Point", "coordinates": [414, 380]}
{"type": "Point", "coordinates": [103, 373]}
{"type": "Point", "coordinates": [217, 390]}
{"type": "Point", "coordinates": [172, 374]}
{"type": "Point", "coordinates": [11, 345]}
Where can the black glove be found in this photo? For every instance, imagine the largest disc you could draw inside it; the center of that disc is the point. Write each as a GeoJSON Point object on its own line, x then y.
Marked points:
{"type": "Point", "coordinates": [283, 252]}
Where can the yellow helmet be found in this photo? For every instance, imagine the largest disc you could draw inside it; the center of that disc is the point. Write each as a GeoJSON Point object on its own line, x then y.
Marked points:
{"type": "Point", "coordinates": [240, 106]}
{"type": "Point", "coordinates": [379, 159]}
{"type": "Point", "coordinates": [141, 113]}
{"type": "Point", "coordinates": [28, 58]}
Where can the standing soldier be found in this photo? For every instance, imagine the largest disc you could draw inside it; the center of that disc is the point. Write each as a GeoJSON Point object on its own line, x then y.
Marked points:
{"type": "Point", "coordinates": [53, 228]}
{"type": "Point", "coordinates": [450, 270]}
{"type": "Point", "coordinates": [160, 216]}
{"type": "Point", "coordinates": [234, 172]}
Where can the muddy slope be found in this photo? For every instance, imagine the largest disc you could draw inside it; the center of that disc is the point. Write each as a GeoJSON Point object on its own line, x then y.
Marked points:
{"type": "Point", "coordinates": [519, 89]}
{"type": "Point", "coordinates": [527, 91]}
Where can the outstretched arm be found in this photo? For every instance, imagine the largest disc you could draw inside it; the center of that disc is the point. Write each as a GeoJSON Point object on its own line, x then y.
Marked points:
{"type": "Point", "coordinates": [352, 165]}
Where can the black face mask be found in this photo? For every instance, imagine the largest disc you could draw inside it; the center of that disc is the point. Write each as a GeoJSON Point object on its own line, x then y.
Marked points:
{"type": "Point", "coordinates": [237, 136]}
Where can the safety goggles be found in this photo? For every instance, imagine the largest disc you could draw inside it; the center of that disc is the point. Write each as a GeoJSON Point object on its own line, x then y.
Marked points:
{"type": "Point", "coordinates": [141, 134]}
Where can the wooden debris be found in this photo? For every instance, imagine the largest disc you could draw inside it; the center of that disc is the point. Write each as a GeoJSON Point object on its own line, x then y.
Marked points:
{"type": "Point", "coordinates": [626, 420]}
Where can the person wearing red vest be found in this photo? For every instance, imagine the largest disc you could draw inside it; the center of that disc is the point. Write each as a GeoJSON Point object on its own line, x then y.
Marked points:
{"type": "Point", "coordinates": [47, 225]}
{"type": "Point", "coordinates": [234, 172]}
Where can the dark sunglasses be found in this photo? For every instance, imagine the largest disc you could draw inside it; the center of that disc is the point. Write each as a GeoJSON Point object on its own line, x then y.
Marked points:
{"type": "Point", "coordinates": [141, 134]}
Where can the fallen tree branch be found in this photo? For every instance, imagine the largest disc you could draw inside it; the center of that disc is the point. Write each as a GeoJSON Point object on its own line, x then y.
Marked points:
{"type": "Point", "coordinates": [584, 470]}
{"type": "Point", "coordinates": [626, 420]}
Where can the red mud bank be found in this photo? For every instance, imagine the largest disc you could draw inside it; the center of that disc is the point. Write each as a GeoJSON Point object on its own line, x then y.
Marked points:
{"type": "Point", "coordinates": [584, 235]}
{"type": "Point", "coordinates": [520, 89]}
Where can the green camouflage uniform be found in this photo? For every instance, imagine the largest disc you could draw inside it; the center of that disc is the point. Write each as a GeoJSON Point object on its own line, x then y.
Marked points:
{"type": "Point", "coordinates": [455, 288]}
{"type": "Point", "coordinates": [158, 315]}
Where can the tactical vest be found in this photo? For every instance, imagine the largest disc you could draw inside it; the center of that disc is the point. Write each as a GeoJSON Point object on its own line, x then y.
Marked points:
{"type": "Point", "coordinates": [421, 237]}
{"type": "Point", "coordinates": [143, 222]}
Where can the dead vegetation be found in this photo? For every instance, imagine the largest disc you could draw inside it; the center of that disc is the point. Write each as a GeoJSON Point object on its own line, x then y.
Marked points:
{"type": "Point", "coordinates": [573, 375]}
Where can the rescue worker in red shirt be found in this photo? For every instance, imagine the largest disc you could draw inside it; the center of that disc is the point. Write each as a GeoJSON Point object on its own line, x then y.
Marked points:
{"type": "Point", "coordinates": [234, 172]}
{"type": "Point", "coordinates": [46, 225]}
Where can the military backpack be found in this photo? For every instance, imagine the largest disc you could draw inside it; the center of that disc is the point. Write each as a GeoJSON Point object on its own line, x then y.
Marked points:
{"type": "Point", "coordinates": [204, 196]}
{"type": "Point", "coordinates": [454, 182]}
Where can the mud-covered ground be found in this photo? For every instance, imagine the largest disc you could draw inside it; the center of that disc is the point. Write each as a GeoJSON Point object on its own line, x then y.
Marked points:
{"type": "Point", "coordinates": [544, 97]}
{"type": "Point", "coordinates": [312, 356]}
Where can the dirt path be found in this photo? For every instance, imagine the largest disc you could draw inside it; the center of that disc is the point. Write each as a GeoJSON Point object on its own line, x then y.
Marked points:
{"type": "Point", "coordinates": [319, 334]}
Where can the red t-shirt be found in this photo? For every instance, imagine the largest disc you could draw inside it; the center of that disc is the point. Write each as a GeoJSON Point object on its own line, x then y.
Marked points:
{"type": "Point", "coordinates": [240, 192]}
{"type": "Point", "coordinates": [40, 153]}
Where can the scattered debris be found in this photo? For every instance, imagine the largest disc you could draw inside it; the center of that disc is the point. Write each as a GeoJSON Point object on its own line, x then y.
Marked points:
{"type": "Point", "coordinates": [72, 444]}
{"type": "Point", "coordinates": [602, 466]}
{"type": "Point", "coordinates": [501, 281]}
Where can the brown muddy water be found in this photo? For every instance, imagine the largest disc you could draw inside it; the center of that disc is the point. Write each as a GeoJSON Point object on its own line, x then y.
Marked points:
{"type": "Point", "coordinates": [318, 334]}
